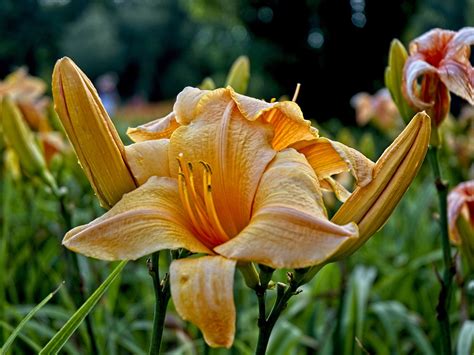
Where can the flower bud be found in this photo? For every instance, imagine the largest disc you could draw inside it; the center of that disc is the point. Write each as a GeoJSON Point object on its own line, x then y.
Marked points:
{"type": "Point", "coordinates": [239, 75]}
{"type": "Point", "coordinates": [394, 78]}
{"type": "Point", "coordinates": [371, 205]}
{"type": "Point", "coordinates": [97, 144]}
{"type": "Point", "coordinates": [21, 139]}
{"type": "Point", "coordinates": [207, 84]}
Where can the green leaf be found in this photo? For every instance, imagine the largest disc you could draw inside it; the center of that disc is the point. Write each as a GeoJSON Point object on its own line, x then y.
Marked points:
{"type": "Point", "coordinates": [466, 339]}
{"type": "Point", "coordinates": [25, 320]}
{"type": "Point", "coordinates": [68, 329]}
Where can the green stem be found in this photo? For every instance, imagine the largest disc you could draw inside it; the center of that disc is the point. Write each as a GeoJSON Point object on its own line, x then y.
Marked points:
{"type": "Point", "coordinates": [162, 296]}
{"type": "Point", "coordinates": [266, 324]}
{"type": "Point", "coordinates": [337, 336]}
{"type": "Point", "coordinates": [6, 208]}
{"type": "Point", "coordinates": [449, 267]}
{"type": "Point", "coordinates": [75, 278]}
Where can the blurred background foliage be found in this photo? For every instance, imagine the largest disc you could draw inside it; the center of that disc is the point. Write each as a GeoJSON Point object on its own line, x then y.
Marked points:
{"type": "Point", "coordinates": [335, 48]}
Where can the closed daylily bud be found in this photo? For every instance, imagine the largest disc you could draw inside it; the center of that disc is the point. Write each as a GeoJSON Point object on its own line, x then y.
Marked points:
{"type": "Point", "coordinates": [207, 84]}
{"type": "Point", "coordinates": [97, 144]}
{"type": "Point", "coordinates": [12, 164]}
{"type": "Point", "coordinates": [19, 136]}
{"type": "Point", "coordinates": [371, 205]}
{"type": "Point", "coordinates": [394, 77]}
{"type": "Point", "coordinates": [239, 75]}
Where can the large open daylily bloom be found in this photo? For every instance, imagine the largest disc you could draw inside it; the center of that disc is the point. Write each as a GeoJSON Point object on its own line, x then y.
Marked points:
{"type": "Point", "coordinates": [461, 218]}
{"type": "Point", "coordinates": [441, 58]}
{"type": "Point", "coordinates": [234, 178]}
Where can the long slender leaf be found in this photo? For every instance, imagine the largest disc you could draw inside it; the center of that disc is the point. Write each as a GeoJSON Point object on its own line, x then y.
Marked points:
{"type": "Point", "coordinates": [466, 339]}
{"type": "Point", "coordinates": [34, 346]}
{"type": "Point", "coordinates": [61, 337]}
{"type": "Point", "coordinates": [25, 320]}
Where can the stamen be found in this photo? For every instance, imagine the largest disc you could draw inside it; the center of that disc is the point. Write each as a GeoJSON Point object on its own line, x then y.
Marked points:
{"type": "Point", "coordinates": [297, 91]}
{"type": "Point", "coordinates": [200, 223]}
{"type": "Point", "coordinates": [211, 208]}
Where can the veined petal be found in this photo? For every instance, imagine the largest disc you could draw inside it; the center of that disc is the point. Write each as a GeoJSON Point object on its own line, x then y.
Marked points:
{"type": "Point", "coordinates": [460, 201]}
{"type": "Point", "coordinates": [157, 129]}
{"type": "Point", "coordinates": [414, 68]}
{"type": "Point", "coordinates": [458, 78]}
{"type": "Point", "coordinates": [236, 149]}
{"type": "Point", "coordinates": [148, 158]}
{"type": "Point", "coordinates": [188, 103]}
{"type": "Point", "coordinates": [145, 220]}
{"type": "Point", "coordinates": [289, 227]}
{"type": "Point", "coordinates": [328, 157]}
{"type": "Point", "coordinates": [460, 43]}
{"type": "Point", "coordinates": [202, 291]}
{"type": "Point", "coordinates": [286, 118]}
{"type": "Point", "coordinates": [335, 186]}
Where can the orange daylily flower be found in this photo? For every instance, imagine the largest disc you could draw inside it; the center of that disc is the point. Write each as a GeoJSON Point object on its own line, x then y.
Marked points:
{"type": "Point", "coordinates": [461, 218]}
{"type": "Point", "coordinates": [239, 179]}
{"type": "Point", "coordinates": [441, 59]}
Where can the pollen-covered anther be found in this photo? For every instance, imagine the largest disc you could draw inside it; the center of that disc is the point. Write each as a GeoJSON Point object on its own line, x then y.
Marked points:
{"type": "Point", "coordinates": [209, 201]}
{"type": "Point", "coordinates": [202, 214]}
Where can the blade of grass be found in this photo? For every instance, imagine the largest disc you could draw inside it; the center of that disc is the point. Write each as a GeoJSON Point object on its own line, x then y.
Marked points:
{"type": "Point", "coordinates": [25, 320]}
{"type": "Point", "coordinates": [34, 346]}
{"type": "Point", "coordinates": [68, 329]}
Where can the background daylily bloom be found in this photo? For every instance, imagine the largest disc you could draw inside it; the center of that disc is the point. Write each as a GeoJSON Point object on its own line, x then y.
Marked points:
{"type": "Point", "coordinates": [379, 109]}
{"type": "Point", "coordinates": [441, 58]}
{"type": "Point", "coordinates": [236, 179]}
{"type": "Point", "coordinates": [461, 219]}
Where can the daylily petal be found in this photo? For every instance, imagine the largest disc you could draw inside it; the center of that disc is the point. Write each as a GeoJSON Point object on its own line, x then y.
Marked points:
{"type": "Point", "coordinates": [414, 68]}
{"type": "Point", "coordinates": [328, 157]}
{"type": "Point", "coordinates": [148, 158]}
{"type": "Point", "coordinates": [285, 117]}
{"type": "Point", "coordinates": [460, 200]}
{"type": "Point", "coordinates": [458, 78]}
{"type": "Point", "coordinates": [289, 227]}
{"type": "Point", "coordinates": [157, 129]}
{"type": "Point", "coordinates": [335, 186]}
{"type": "Point", "coordinates": [236, 149]}
{"type": "Point", "coordinates": [460, 43]}
{"type": "Point", "coordinates": [202, 291]}
{"type": "Point", "coordinates": [188, 103]}
{"type": "Point", "coordinates": [145, 220]}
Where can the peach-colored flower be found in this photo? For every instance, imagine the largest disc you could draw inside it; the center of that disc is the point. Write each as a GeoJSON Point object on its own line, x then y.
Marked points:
{"type": "Point", "coordinates": [236, 179]}
{"type": "Point", "coordinates": [441, 59]}
{"type": "Point", "coordinates": [28, 94]}
{"type": "Point", "coordinates": [378, 108]}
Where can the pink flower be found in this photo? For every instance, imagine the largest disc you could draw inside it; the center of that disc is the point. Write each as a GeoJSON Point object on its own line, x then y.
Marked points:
{"type": "Point", "coordinates": [441, 59]}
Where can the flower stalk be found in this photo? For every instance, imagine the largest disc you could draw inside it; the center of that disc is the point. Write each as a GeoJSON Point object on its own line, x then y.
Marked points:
{"type": "Point", "coordinates": [266, 324]}
{"type": "Point", "coordinates": [446, 281]}
{"type": "Point", "coordinates": [162, 296]}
